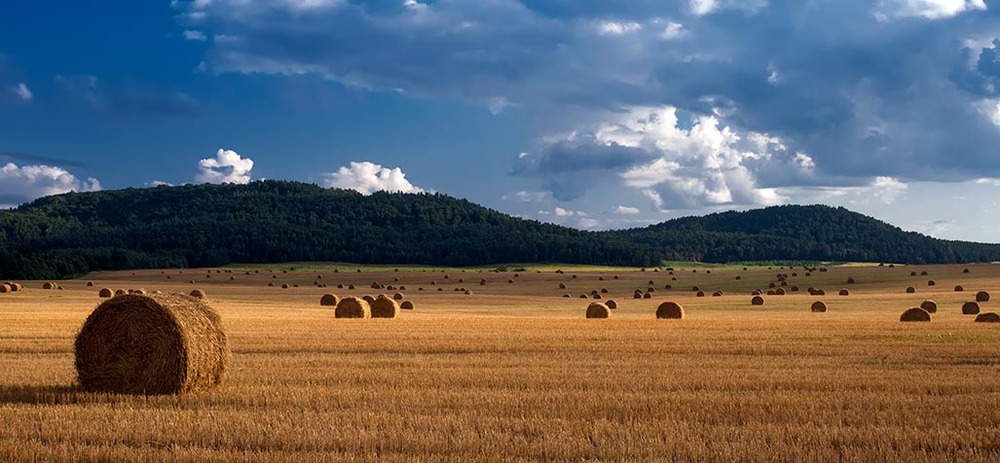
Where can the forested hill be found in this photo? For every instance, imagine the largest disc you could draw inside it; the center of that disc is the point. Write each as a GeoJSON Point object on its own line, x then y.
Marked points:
{"type": "Point", "coordinates": [278, 221]}
{"type": "Point", "coordinates": [807, 233]}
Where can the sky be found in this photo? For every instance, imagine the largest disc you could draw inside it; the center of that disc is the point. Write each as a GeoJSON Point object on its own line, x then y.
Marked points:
{"type": "Point", "coordinates": [595, 114]}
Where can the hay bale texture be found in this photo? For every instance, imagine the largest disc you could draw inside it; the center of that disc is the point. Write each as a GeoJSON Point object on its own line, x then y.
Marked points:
{"type": "Point", "coordinates": [406, 305]}
{"type": "Point", "coordinates": [982, 296]}
{"type": "Point", "coordinates": [670, 309]}
{"type": "Point", "coordinates": [929, 305]}
{"type": "Point", "coordinates": [818, 306]}
{"type": "Point", "coordinates": [970, 308]}
{"type": "Point", "coordinates": [157, 344]}
{"type": "Point", "coordinates": [988, 317]}
{"type": "Point", "coordinates": [330, 300]}
{"type": "Point", "coordinates": [915, 314]}
{"type": "Point", "coordinates": [757, 300]}
{"type": "Point", "coordinates": [352, 307]}
{"type": "Point", "coordinates": [598, 310]}
{"type": "Point", "coordinates": [199, 294]}
{"type": "Point", "coordinates": [384, 307]}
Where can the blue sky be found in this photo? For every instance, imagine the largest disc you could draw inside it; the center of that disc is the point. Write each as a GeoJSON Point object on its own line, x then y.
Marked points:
{"type": "Point", "coordinates": [593, 114]}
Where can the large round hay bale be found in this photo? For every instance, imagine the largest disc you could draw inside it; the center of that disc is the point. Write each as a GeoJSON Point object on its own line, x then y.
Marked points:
{"type": "Point", "coordinates": [757, 300]}
{"type": "Point", "coordinates": [818, 306]}
{"type": "Point", "coordinates": [90, 283]}
{"type": "Point", "coordinates": [120, 292]}
{"type": "Point", "coordinates": [611, 304]}
{"type": "Point", "coordinates": [329, 300]}
{"type": "Point", "coordinates": [820, 292]}
{"type": "Point", "coordinates": [717, 294]}
{"type": "Point", "coordinates": [982, 296]}
{"type": "Point", "coordinates": [670, 309]}
{"type": "Point", "coordinates": [368, 298]}
{"type": "Point", "coordinates": [913, 274]}
{"type": "Point", "coordinates": [850, 280]}
{"type": "Point", "coordinates": [384, 307]}
{"type": "Point", "coordinates": [406, 305]}
{"type": "Point", "coordinates": [16, 287]}
{"type": "Point", "coordinates": [352, 307]}
{"type": "Point", "coordinates": [970, 308]}
{"type": "Point", "coordinates": [158, 344]}
{"type": "Point", "coordinates": [598, 310]}
{"type": "Point", "coordinates": [844, 292]}
{"type": "Point", "coordinates": [49, 285]}
{"type": "Point", "coordinates": [915, 314]}
{"type": "Point", "coordinates": [965, 270]}
{"type": "Point", "coordinates": [700, 294]}
{"type": "Point", "coordinates": [637, 295]}
{"type": "Point", "coordinates": [931, 283]}
{"type": "Point", "coordinates": [779, 292]}
{"type": "Point", "coordinates": [988, 317]}
{"type": "Point", "coordinates": [562, 285]}
{"type": "Point", "coordinates": [197, 293]}
{"type": "Point", "coordinates": [647, 296]}
{"type": "Point", "coordinates": [959, 288]}
{"type": "Point", "coordinates": [398, 296]}
{"type": "Point", "coordinates": [911, 290]}
{"type": "Point", "coordinates": [105, 292]}
{"type": "Point", "coordinates": [5, 288]}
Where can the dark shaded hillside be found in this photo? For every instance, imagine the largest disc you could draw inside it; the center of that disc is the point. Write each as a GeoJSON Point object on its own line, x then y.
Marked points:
{"type": "Point", "coordinates": [277, 221]}
{"type": "Point", "coordinates": [810, 233]}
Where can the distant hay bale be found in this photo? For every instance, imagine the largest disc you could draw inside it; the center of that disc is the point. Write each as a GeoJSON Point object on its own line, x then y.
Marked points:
{"type": "Point", "coordinates": [959, 288]}
{"type": "Point", "coordinates": [140, 291]}
{"type": "Point", "coordinates": [982, 296]}
{"type": "Point", "coordinates": [794, 289]}
{"type": "Point", "coordinates": [988, 317]}
{"type": "Point", "coordinates": [49, 285]}
{"type": "Point", "coordinates": [771, 285]}
{"type": "Point", "coordinates": [668, 286]}
{"type": "Point", "coordinates": [384, 307]}
{"type": "Point", "coordinates": [779, 292]}
{"type": "Point", "coordinates": [611, 304]}
{"type": "Point", "coordinates": [965, 270]}
{"type": "Point", "coordinates": [352, 307]}
{"type": "Point", "coordinates": [910, 290]}
{"type": "Point", "coordinates": [913, 274]}
{"type": "Point", "coordinates": [970, 308]}
{"type": "Point", "coordinates": [197, 293]}
{"type": "Point", "coordinates": [604, 290]}
{"type": "Point", "coordinates": [406, 305]}
{"type": "Point", "coordinates": [468, 292]}
{"type": "Point", "coordinates": [105, 292]}
{"type": "Point", "coordinates": [770, 292]}
{"type": "Point", "coordinates": [159, 344]}
{"type": "Point", "coordinates": [598, 296]}
{"type": "Point", "coordinates": [398, 296]}
{"type": "Point", "coordinates": [929, 305]}
{"type": "Point", "coordinates": [670, 310]}
{"type": "Point", "coordinates": [924, 273]}
{"type": "Point", "coordinates": [756, 292]}
{"type": "Point", "coordinates": [567, 295]}
{"type": "Point", "coordinates": [598, 310]}
{"type": "Point", "coordinates": [5, 288]}
{"type": "Point", "coordinates": [915, 314]}
{"type": "Point", "coordinates": [850, 280]}
{"type": "Point", "coordinates": [637, 295]}
{"type": "Point", "coordinates": [647, 296]}
{"type": "Point", "coordinates": [351, 287]}
{"type": "Point", "coordinates": [270, 284]}
{"type": "Point", "coordinates": [820, 292]}
{"type": "Point", "coordinates": [717, 294]}
{"type": "Point", "coordinates": [818, 306]}
{"type": "Point", "coordinates": [844, 292]}
{"type": "Point", "coordinates": [90, 283]}
{"type": "Point", "coordinates": [368, 298]}
{"type": "Point", "coordinates": [284, 286]}
{"type": "Point", "coordinates": [700, 294]}
{"type": "Point", "coordinates": [120, 292]}
{"type": "Point", "coordinates": [931, 283]}
{"type": "Point", "coordinates": [757, 300]}
{"type": "Point", "coordinates": [738, 277]}
{"type": "Point", "coordinates": [329, 300]}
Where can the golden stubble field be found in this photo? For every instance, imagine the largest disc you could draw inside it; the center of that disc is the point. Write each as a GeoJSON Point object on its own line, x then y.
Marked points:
{"type": "Point", "coordinates": [514, 372]}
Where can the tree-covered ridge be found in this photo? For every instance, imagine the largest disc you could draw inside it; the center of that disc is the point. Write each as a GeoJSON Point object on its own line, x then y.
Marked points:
{"type": "Point", "coordinates": [809, 233]}
{"type": "Point", "coordinates": [279, 221]}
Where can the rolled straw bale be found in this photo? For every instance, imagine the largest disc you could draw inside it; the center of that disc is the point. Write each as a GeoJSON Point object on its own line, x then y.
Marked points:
{"type": "Point", "coordinates": [352, 307]}
{"type": "Point", "coordinates": [598, 310]}
{"type": "Point", "coordinates": [384, 307]}
{"type": "Point", "coordinates": [670, 309]}
{"type": "Point", "coordinates": [329, 300]}
{"type": "Point", "coordinates": [915, 314]}
{"type": "Point", "coordinates": [157, 344]}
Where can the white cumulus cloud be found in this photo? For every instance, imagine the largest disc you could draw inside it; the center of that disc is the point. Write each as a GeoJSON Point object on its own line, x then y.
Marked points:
{"type": "Point", "coordinates": [195, 35]}
{"type": "Point", "coordinates": [367, 178]}
{"type": "Point", "coordinates": [227, 167]}
{"type": "Point", "coordinates": [626, 210]}
{"type": "Point", "coordinates": [927, 9]}
{"type": "Point", "coordinates": [20, 184]}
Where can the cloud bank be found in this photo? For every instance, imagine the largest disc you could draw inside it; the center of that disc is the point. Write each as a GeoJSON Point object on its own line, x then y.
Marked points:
{"type": "Point", "coordinates": [227, 167]}
{"type": "Point", "coordinates": [20, 184]}
{"type": "Point", "coordinates": [367, 177]}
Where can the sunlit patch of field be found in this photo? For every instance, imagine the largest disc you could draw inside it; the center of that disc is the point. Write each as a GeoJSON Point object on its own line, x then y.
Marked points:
{"type": "Point", "coordinates": [514, 373]}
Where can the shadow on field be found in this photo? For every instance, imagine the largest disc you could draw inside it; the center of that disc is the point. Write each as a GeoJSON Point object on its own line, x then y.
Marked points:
{"type": "Point", "coordinates": [44, 395]}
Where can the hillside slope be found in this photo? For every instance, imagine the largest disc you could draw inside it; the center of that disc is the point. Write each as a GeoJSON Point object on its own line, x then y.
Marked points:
{"type": "Point", "coordinates": [812, 233]}
{"type": "Point", "coordinates": [278, 221]}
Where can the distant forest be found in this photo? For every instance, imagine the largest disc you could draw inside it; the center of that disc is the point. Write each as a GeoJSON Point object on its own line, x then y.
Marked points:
{"type": "Point", "coordinates": [281, 221]}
